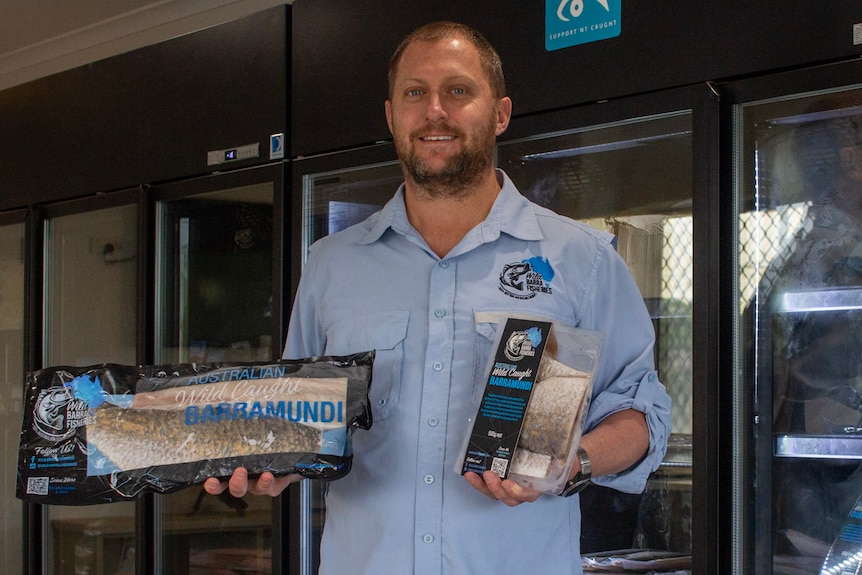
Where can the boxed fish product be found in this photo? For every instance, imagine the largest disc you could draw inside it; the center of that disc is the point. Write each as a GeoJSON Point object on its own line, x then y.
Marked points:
{"type": "Point", "coordinates": [110, 432]}
{"type": "Point", "coordinates": [530, 417]}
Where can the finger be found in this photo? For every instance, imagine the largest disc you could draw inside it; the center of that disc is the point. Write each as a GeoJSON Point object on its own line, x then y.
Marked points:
{"type": "Point", "coordinates": [494, 484]}
{"type": "Point", "coordinates": [478, 484]}
{"type": "Point", "coordinates": [214, 487]}
{"type": "Point", "coordinates": [508, 491]}
{"type": "Point", "coordinates": [238, 482]}
{"type": "Point", "coordinates": [520, 493]}
{"type": "Point", "coordinates": [268, 484]}
{"type": "Point", "coordinates": [262, 485]}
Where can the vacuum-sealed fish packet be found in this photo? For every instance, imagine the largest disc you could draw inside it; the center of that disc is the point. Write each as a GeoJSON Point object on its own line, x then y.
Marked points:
{"type": "Point", "coordinates": [110, 432]}
{"type": "Point", "coordinates": [536, 395]}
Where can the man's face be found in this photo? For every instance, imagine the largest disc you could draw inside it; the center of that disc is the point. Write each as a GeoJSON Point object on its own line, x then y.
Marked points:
{"type": "Point", "coordinates": [443, 116]}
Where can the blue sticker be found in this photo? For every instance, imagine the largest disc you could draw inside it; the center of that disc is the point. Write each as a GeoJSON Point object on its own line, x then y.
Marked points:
{"type": "Point", "coordinates": [276, 146]}
{"type": "Point", "coordinates": [573, 22]}
{"type": "Point", "coordinates": [87, 390]}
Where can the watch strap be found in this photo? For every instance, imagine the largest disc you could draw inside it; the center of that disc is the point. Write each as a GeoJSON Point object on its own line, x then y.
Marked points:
{"type": "Point", "coordinates": [577, 483]}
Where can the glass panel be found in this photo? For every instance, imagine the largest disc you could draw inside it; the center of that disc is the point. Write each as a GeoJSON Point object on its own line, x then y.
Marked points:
{"type": "Point", "coordinates": [335, 200]}
{"type": "Point", "coordinates": [11, 389]}
{"type": "Point", "coordinates": [332, 201]}
{"type": "Point", "coordinates": [214, 276]}
{"type": "Point", "coordinates": [633, 179]}
{"type": "Point", "coordinates": [90, 317]}
{"type": "Point", "coordinates": [214, 304]}
{"type": "Point", "coordinates": [800, 299]}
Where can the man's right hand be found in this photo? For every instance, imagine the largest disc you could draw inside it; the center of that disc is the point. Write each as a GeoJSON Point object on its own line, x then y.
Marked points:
{"type": "Point", "coordinates": [239, 484]}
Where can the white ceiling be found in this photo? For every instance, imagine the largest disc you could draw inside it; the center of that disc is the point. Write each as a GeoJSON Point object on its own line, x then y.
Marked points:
{"type": "Point", "coordinates": [42, 37]}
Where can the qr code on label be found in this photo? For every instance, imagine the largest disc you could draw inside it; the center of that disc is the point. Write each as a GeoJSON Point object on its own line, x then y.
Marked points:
{"type": "Point", "coordinates": [37, 485]}
{"type": "Point", "coordinates": [499, 466]}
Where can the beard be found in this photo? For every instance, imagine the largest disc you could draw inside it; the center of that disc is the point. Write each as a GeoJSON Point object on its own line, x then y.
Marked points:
{"type": "Point", "coordinates": [460, 173]}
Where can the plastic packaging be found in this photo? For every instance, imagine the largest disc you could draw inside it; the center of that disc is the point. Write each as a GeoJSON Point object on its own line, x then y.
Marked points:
{"type": "Point", "coordinates": [550, 426]}
{"type": "Point", "coordinates": [110, 432]}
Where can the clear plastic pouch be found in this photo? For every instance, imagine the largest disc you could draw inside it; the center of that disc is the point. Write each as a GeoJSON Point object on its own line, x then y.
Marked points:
{"type": "Point", "coordinates": [553, 421]}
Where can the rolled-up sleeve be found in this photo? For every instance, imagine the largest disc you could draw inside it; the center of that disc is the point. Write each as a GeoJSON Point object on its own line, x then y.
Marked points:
{"type": "Point", "coordinates": [627, 378]}
{"type": "Point", "coordinates": [651, 399]}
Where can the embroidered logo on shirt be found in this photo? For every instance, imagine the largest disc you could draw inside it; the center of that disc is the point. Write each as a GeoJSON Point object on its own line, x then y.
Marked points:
{"type": "Point", "coordinates": [524, 279]}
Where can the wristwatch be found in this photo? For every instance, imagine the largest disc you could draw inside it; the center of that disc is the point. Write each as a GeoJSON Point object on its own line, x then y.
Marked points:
{"type": "Point", "coordinates": [577, 483]}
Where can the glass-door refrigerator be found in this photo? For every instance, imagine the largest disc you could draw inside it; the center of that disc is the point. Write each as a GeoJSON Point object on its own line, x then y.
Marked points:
{"type": "Point", "coordinates": [798, 200]}
{"type": "Point", "coordinates": [333, 191]}
{"type": "Point", "coordinates": [218, 292]}
{"type": "Point", "coordinates": [627, 168]}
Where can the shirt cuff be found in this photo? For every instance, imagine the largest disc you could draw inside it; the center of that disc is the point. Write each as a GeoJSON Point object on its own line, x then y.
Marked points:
{"type": "Point", "coordinates": [652, 400]}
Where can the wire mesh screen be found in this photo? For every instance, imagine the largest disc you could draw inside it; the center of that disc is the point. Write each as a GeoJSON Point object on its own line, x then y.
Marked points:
{"type": "Point", "coordinates": [658, 251]}
{"type": "Point", "coordinates": [766, 240]}
{"type": "Point", "coordinates": [674, 329]}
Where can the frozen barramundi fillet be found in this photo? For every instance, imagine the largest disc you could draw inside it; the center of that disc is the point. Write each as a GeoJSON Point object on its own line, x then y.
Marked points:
{"type": "Point", "coordinates": [551, 419]}
{"type": "Point", "coordinates": [218, 420]}
{"type": "Point", "coordinates": [138, 439]}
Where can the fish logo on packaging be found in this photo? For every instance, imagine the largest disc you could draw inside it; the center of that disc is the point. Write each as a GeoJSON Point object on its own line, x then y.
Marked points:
{"type": "Point", "coordinates": [573, 22]}
{"type": "Point", "coordinates": [57, 414]}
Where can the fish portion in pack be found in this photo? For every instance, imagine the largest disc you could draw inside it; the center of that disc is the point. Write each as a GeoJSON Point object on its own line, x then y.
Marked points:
{"type": "Point", "coordinates": [111, 432]}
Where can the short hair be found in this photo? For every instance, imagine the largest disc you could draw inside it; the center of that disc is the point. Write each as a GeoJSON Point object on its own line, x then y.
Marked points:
{"type": "Point", "coordinates": [435, 31]}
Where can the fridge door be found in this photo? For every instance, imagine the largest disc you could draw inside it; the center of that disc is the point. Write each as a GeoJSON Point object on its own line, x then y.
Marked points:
{"type": "Point", "coordinates": [799, 264]}
{"type": "Point", "coordinates": [335, 191]}
{"type": "Point", "coordinates": [630, 175]}
{"type": "Point", "coordinates": [12, 230]}
{"type": "Point", "coordinates": [218, 260]}
{"type": "Point", "coordinates": [90, 317]}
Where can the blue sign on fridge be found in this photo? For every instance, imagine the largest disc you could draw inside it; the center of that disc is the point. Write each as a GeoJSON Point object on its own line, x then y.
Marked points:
{"type": "Point", "coordinates": [573, 22]}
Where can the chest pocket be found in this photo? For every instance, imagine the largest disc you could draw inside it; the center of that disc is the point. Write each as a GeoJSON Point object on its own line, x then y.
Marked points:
{"type": "Point", "coordinates": [488, 324]}
{"type": "Point", "coordinates": [384, 333]}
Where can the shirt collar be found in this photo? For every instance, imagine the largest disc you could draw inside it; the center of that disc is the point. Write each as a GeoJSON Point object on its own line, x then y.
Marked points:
{"type": "Point", "coordinates": [511, 214]}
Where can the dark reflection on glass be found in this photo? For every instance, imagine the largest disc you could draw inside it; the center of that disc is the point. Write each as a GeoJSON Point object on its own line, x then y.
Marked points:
{"type": "Point", "coordinates": [805, 314]}
{"type": "Point", "coordinates": [216, 282]}
{"type": "Point", "coordinates": [632, 179]}
{"type": "Point", "coordinates": [90, 298]}
{"type": "Point", "coordinates": [11, 390]}
{"type": "Point", "coordinates": [335, 200]}
{"type": "Point", "coordinates": [214, 285]}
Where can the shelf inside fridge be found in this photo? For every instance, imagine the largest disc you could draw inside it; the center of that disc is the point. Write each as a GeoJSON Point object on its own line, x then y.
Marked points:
{"type": "Point", "coordinates": [819, 446]}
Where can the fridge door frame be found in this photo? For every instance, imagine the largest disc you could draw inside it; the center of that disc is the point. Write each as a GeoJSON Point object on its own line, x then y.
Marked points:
{"type": "Point", "coordinates": [149, 525]}
{"type": "Point", "coordinates": [305, 556]}
{"type": "Point", "coordinates": [710, 482]}
{"type": "Point", "coordinates": [744, 450]}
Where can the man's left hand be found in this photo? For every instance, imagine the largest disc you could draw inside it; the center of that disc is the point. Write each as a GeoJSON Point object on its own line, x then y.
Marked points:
{"type": "Point", "coordinates": [506, 490]}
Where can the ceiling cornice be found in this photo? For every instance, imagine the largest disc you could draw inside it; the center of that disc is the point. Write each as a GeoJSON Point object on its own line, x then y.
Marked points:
{"type": "Point", "coordinates": [148, 25]}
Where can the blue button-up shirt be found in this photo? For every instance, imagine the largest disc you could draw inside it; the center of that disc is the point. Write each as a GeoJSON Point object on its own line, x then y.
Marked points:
{"type": "Point", "coordinates": [404, 508]}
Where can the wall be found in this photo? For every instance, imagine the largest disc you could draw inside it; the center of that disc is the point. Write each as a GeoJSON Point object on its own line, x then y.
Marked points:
{"type": "Point", "coordinates": [146, 116]}
{"type": "Point", "coordinates": [341, 50]}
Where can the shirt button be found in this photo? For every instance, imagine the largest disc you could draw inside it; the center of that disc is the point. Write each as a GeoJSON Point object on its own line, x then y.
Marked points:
{"type": "Point", "coordinates": [652, 377]}
{"type": "Point", "coordinates": [433, 422]}
{"type": "Point", "coordinates": [439, 312]}
{"type": "Point", "coordinates": [381, 402]}
{"type": "Point", "coordinates": [429, 479]}
{"type": "Point", "coordinates": [444, 264]}
{"type": "Point", "coordinates": [437, 366]}
{"type": "Point", "coordinates": [428, 538]}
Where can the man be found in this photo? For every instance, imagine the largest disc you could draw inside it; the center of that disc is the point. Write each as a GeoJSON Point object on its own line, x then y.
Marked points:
{"type": "Point", "coordinates": [417, 282]}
